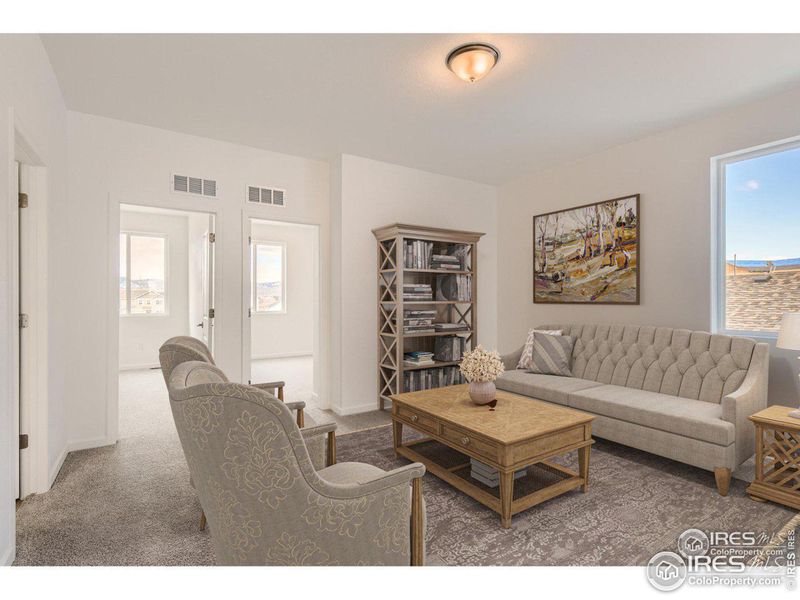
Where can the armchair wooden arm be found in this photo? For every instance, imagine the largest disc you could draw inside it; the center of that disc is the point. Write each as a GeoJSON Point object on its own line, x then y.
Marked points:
{"type": "Point", "coordinates": [276, 389]}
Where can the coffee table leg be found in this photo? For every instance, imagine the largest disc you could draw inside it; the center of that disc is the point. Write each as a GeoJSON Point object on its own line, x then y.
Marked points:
{"type": "Point", "coordinates": [397, 435]}
{"type": "Point", "coordinates": [583, 466]}
{"type": "Point", "coordinates": [506, 498]}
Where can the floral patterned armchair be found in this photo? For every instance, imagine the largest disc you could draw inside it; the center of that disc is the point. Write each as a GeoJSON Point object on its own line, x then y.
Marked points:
{"type": "Point", "coordinates": [265, 501]}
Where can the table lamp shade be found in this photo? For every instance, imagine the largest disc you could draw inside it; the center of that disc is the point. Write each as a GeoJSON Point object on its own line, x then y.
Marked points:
{"type": "Point", "coordinates": [789, 336]}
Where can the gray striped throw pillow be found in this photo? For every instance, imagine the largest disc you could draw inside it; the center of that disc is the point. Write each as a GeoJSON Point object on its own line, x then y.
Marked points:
{"type": "Point", "coordinates": [552, 354]}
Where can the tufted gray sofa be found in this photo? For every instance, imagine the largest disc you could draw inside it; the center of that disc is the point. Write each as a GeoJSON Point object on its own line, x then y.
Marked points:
{"type": "Point", "coordinates": [682, 394]}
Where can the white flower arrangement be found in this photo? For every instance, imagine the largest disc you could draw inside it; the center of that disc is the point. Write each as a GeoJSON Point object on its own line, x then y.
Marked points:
{"type": "Point", "coordinates": [481, 365]}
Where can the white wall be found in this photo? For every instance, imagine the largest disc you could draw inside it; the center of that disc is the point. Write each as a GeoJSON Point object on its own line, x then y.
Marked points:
{"type": "Point", "coordinates": [369, 194]}
{"type": "Point", "coordinates": [113, 161]}
{"type": "Point", "coordinates": [140, 336]}
{"type": "Point", "coordinates": [31, 103]}
{"type": "Point", "coordinates": [290, 333]}
{"type": "Point", "coordinates": [671, 171]}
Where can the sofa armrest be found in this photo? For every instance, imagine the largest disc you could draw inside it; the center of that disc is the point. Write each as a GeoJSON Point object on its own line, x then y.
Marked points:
{"type": "Point", "coordinates": [510, 361]}
{"type": "Point", "coordinates": [750, 398]}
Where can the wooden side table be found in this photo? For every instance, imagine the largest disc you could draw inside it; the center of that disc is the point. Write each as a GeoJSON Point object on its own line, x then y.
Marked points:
{"type": "Point", "coordinates": [777, 457]}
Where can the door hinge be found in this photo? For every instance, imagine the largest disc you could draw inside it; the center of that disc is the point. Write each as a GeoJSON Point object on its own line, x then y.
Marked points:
{"type": "Point", "coordinates": [211, 313]}
{"type": "Point", "coordinates": [250, 240]}
{"type": "Point", "coordinates": [212, 237]}
{"type": "Point", "coordinates": [23, 321]}
{"type": "Point", "coordinates": [249, 313]}
{"type": "Point", "coordinates": [23, 441]}
{"type": "Point", "coordinates": [23, 200]}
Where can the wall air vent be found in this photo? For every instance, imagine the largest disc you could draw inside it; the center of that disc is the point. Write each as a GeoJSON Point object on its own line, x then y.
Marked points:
{"type": "Point", "coordinates": [271, 196]}
{"type": "Point", "coordinates": [197, 186]}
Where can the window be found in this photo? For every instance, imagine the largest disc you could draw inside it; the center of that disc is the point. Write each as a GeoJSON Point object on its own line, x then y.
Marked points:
{"type": "Point", "coordinates": [269, 277]}
{"type": "Point", "coordinates": [758, 248]}
{"type": "Point", "coordinates": [142, 274]}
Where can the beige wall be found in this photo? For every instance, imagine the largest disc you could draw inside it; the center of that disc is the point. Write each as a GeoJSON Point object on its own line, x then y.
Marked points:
{"type": "Point", "coordinates": [671, 171]}
{"type": "Point", "coordinates": [367, 194]}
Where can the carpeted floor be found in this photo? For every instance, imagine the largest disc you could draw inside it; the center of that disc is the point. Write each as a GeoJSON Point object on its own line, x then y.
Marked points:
{"type": "Point", "coordinates": [131, 504]}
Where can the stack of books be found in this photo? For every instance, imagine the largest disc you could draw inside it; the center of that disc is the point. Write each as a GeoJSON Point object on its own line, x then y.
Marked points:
{"type": "Point", "coordinates": [454, 288]}
{"type": "Point", "coordinates": [445, 262]}
{"type": "Point", "coordinates": [418, 321]}
{"type": "Point", "coordinates": [417, 291]}
{"type": "Point", "coordinates": [417, 254]}
{"type": "Point", "coordinates": [449, 327]}
{"type": "Point", "coordinates": [418, 358]}
{"type": "Point", "coordinates": [449, 348]}
{"type": "Point", "coordinates": [489, 476]}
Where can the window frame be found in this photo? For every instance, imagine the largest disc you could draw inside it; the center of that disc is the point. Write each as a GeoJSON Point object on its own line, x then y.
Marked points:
{"type": "Point", "coordinates": [718, 231]}
{"type": "Point", "coordinates": [254, 279]}
{"type": "Point", "coordinates": [150, 234]}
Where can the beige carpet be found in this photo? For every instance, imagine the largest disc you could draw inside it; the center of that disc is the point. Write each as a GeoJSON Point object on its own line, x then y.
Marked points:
{"type": "Point", "coordinates": [131, 504]}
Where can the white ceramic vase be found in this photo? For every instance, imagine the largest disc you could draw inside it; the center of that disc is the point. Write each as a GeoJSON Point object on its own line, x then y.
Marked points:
{"type": "Point", "coordinates": [482, 392]}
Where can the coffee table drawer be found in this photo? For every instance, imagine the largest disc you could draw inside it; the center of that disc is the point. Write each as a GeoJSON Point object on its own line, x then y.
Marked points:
{"type": "Point", "coordinates": [463, 439]}
{"type": "Point", "coordinates": [417, 419]}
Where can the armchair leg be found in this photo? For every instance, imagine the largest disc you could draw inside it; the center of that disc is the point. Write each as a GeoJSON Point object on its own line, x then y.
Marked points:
{"type": "Point", "coordinates": [202, 520]}
{"type": "Point", "coordinates": [331, 454]}
{"type": "Point", "coordinates": [417, 541]}
{"type": "Point", "coordinates": [301, 421]}
{"type": "Point", "coordinates": [723, 478]}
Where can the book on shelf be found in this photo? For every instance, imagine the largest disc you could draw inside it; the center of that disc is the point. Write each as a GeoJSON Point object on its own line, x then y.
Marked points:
{"type": "Point", "coordinates": [451, 326]}
{"type": "Point", "coordinates": [417, 291]}
{"type": "Point", "coordinates": [415, 381]}
{"type": "Point", "coordinates": [417, 254]}
{"type": "Point", "coordinates": [446, 262]}
{"type": "Point", "coordinates": [449, 348]}
{"type": "Point", "coordinates": [454, 288]}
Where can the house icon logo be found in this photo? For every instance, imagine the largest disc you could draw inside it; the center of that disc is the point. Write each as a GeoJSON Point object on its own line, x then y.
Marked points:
{"type": "Point", "coordinates": [693, 542]}
{"type": "Point", "coordinates": [666, 571]}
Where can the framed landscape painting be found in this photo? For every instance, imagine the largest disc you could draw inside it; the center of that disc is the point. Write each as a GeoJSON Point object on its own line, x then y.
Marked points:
{"type": "Point", "coordinates": [588, 254]}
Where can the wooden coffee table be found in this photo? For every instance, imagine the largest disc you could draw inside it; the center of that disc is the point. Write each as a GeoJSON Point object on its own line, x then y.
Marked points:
{"type": "Point", "coordinates": [519, 432]}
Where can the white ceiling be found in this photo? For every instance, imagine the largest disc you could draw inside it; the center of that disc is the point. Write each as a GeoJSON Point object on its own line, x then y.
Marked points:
{"type": "Point", "coordinates": [390, 97]}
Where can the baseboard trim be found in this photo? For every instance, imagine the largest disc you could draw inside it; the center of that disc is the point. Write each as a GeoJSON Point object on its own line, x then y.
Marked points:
{"type": "Point", "coordinates": [355, 410]}
{"type": "Point", "coordinates": [56, 469]}
{"type": "Point", "coordinates": [89, 444]}
{"type": "Point", "coordinates": [8, 556]}
{"type": "Point", "coordinates": [282, 355]}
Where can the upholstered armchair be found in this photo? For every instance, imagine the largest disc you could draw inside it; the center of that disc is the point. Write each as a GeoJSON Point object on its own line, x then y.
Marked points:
{"type": "Point", "coordinates": [265, 501]}
{"type": "Point", "coordinates": [183, 347]}
{"type": "Point", "coordinates": [321, 440]}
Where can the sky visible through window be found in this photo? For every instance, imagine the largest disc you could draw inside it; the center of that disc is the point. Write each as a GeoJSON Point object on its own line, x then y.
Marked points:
{"type": "Point", "coordinates": [269, 278]}
{"type": "Point", "coordinates": [762, 208]}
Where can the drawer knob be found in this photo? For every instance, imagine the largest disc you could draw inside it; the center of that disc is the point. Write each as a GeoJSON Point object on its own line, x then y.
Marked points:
{"type": "Point", "coordinates": [414, 418]}
{"type": "Point", "coordinates": [465, 440]}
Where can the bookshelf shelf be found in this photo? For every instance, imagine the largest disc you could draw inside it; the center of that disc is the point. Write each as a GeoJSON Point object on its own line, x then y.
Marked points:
{"type": "Point", "coordinates": [409, 255]}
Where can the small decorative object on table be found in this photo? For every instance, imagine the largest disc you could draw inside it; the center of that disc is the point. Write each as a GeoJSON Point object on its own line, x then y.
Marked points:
{"type": "Point", "coordinates": [481, 368]}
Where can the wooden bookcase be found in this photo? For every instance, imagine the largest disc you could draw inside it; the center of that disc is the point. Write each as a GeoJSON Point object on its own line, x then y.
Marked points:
{"type": "Point", "coordinates": [393, 342]}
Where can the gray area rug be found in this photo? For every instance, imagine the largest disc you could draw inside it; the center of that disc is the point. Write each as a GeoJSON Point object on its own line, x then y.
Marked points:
{"type": "Point", "coordinates": [131, 504]}
{"type": "Point", "coordinates": [637, 505]}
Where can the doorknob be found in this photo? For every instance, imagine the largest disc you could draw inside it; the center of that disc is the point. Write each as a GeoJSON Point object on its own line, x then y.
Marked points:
{"type": "Point", "coordinates": [199, 325]}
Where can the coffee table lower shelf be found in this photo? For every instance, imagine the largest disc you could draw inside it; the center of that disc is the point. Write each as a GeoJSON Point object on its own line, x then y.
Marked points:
{"type": "Point", "coordinates": [545, 479]}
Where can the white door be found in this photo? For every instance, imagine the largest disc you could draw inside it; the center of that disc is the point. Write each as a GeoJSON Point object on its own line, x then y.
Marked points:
{"type": "Point", "coordinates": [209, 240]}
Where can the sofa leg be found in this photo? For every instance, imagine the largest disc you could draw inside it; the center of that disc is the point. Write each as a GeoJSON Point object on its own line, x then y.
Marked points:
{"type": "Point", "coordinates": [723, 477]}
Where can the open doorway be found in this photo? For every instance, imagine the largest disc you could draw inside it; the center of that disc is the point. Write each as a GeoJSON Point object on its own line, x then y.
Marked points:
{"type": "Point", "coordinates": [166, 289]}
{"type": "Point", "coordinates": [283, 293]}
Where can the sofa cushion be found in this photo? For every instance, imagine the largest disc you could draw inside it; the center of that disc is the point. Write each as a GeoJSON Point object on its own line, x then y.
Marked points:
{"type": "Point", "coordinates": [690, 418]}
{"type": "Point", "coordinates": [551, 388]}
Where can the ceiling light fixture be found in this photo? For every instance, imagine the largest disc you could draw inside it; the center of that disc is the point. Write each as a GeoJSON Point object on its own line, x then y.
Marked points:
{"type": "Point", "coordinates": [472, 62]}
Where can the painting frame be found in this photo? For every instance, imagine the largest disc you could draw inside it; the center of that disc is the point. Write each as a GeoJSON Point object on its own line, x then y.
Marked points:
{"type": "Point", "coordinates": [539, 298]}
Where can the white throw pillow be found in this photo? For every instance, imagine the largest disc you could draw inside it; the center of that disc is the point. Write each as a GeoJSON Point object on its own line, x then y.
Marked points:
{"type": "Point", "coordinates": [527, 352]}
